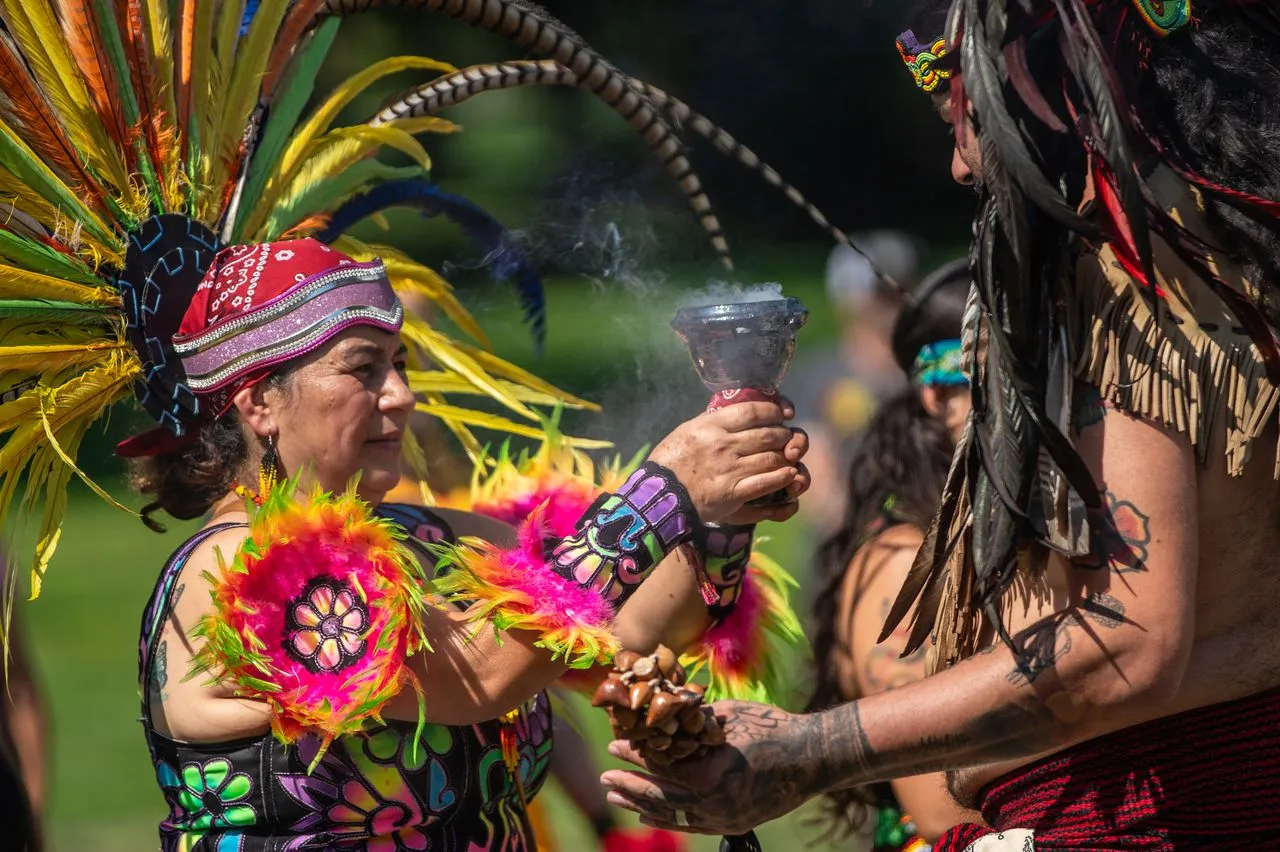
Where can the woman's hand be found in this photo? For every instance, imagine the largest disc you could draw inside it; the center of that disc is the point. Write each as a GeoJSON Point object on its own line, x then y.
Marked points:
{"type": "Point", "coordinates": [727, 458]}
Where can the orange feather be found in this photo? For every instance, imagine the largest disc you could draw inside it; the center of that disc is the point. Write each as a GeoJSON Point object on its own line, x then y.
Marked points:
{"type": "Point", "coordinates": [80, 25]}
{"type": "Point", "coordinates": [185, 64]}
{"type": "Point", "coordinates": [41, 128]}
{"type": "Point", "coordinates": [295, 23]}
{"type": "Point", "coordinates": [155, 125]}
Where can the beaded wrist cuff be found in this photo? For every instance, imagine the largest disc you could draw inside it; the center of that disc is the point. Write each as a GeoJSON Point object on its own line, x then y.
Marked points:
{"type": "Point", "coordinates": [726, 556]}
{"type": "Point", "coordinates": [624, 535]}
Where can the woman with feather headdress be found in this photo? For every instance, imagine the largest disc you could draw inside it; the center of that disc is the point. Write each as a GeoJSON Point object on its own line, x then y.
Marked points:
{"type": "Point", "coordinates": [1099, 578]}
{"type": "Point", "coordinates": [175, 229]}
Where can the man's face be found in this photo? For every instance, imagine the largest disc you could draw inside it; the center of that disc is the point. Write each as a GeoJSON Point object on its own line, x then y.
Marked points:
{"type": "Point", "coordinates": [966, 158]}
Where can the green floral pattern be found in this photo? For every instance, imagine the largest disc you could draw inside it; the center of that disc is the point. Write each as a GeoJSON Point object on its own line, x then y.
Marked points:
{"type": "Point", "coordinates": [208, 795]}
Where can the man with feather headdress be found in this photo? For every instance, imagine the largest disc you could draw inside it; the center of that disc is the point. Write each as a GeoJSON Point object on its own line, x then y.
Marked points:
{"type": "Point", "coordinates": [1099, 577]}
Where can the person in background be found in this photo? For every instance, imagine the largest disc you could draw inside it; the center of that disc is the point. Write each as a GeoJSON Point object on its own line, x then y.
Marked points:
{"type": "Point", "coordinates": [838, 388]}
{"type": "Point", "coordinates": [23, 738]}
{"type": "Point", "coordinates": [893, 488]}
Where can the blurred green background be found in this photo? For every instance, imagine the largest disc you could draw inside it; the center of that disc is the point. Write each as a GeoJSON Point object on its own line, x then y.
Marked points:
{"type": "Point", "coordinates": [814, 86]}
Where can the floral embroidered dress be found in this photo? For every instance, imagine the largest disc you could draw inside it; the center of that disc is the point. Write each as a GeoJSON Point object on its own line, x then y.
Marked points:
{"type": "Point", "coordinates": [372, 792]}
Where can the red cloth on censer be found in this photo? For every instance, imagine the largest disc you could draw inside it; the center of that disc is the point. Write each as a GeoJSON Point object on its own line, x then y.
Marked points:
{"type": "Point", "coordinates": [1206, 780]}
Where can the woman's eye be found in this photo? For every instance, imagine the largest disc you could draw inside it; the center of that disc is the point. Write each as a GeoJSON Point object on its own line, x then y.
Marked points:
{"type": "Point", "coordinates": [402, 366]}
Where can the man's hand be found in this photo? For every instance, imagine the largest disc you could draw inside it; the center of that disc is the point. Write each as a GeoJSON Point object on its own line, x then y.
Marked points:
{"type": "Point", "coordinates": [769, 766]}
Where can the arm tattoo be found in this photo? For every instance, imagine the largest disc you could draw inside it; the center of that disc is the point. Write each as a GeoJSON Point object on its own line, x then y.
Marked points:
{"type": "Point", "coordinates": [1089, 408]}
{"type": "Point", "coordinates": [1042, 645]}
{"type": "Point", "coordinates": [1119, 535]}
{"type": "Point", "coordinates": [160, 672]}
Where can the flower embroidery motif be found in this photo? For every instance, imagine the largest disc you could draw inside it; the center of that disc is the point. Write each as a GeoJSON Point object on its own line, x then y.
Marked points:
{"type": "Point", "coordinates": [208, 796]}
{"type": "Point", "coordinates": [326, 627]}
{"type": "Point", "coordinates": [363, 789]}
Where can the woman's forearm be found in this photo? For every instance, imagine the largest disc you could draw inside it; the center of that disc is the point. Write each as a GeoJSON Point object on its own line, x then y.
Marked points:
{"type": "Point", "coordinates": [666, 610]}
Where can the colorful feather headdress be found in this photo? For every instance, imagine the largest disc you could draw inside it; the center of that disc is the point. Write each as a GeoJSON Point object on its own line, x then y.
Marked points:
{"type": "Point", "coordinates": [139, 137]}
{"type": "Point", "coordinates": [1093, 257]}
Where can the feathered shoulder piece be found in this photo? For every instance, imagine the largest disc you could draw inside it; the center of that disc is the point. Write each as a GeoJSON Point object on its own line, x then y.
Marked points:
{"type": "Point", "coordinates": [317, 613]}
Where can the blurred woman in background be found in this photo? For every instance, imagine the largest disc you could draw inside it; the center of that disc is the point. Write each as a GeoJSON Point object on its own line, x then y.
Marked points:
{"type": "Point", "coordinates": [895, 482]}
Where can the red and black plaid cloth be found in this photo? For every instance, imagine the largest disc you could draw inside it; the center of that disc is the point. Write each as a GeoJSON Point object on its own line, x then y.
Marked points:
{"type": "Point", "coordinates": [1207, 780]}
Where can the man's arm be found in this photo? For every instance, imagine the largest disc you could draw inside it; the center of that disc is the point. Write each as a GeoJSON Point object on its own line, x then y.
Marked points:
{"type": "Point", "coordinates": [1110, 652]}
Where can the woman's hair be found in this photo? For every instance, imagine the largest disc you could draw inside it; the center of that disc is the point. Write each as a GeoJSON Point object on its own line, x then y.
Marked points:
{"type": "Point", "coordinates": [186, 482]}
{"type": "Point", "coordinates": [904, 455]}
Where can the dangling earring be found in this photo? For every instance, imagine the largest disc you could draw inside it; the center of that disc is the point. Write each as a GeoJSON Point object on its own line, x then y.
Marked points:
{"type": "Point", "coordinates": [269, 470]}
{"type": "Point", "coordinates": [268, 473]}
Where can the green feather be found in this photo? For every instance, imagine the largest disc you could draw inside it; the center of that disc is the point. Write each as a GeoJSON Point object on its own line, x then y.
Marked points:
{"type": "Point", "coordinates": [27, 167]}
{"type": "Point", "coordinates": [36, 257]}
{"type": "Point", "coordinates": [52, 309]}
{"type": "Point", "coordinates": [325, 195]}
{"type": "Point", "coordinates": [109, 30]}
{"type": "Point", "coordinates": [286, 110]}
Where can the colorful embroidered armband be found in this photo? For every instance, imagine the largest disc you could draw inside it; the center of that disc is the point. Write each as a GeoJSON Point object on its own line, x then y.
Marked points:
{"type": "Point", "coordinates": [569, 590]}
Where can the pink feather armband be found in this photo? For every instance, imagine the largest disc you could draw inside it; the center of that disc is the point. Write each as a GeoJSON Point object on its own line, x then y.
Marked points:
{"type": "Point", "coordinates": [568, 588]}
{"type": "Point", "coordinates": [317, 614]}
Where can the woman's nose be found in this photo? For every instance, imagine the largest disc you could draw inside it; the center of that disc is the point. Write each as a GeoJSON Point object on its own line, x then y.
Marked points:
{"type": "Point", "coordinates": [396, 393]}
{"type": "Point", "coordinates": [960, 171]}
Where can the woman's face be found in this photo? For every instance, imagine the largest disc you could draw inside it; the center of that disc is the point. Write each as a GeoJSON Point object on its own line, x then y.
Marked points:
{"type": "Point", "coordinates": [344, 411]}
{"type": "Point", "coordinates": [950, 405]}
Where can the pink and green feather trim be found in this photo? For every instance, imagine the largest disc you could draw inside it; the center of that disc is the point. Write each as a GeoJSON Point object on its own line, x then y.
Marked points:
{"type": "Point", "coordinates": [316, 614]}
{"type": "Point", "coordinates": [515, 589]}
{"type": "Point", "coordinates": [745, 653]}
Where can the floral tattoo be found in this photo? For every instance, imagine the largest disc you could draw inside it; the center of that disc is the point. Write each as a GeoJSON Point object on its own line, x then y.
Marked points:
{"type": "Point", "coordinates": [1119, 537]}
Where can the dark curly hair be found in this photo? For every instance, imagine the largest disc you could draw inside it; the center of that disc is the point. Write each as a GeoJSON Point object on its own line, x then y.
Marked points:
{"type": "Point", "coordinates": [186, 482]}
{"type": "Point", "coordinates": [904, 454]}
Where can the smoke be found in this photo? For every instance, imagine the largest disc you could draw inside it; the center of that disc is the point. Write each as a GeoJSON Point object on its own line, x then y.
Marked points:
{"type": "Point", "coordinates": [724, 293]}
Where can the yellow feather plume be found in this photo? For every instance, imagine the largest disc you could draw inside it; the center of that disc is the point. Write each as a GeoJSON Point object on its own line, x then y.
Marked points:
{"type": "Point", "coordinates": [243, 82]}
{"type": "Point", "coordinates": [319, 122]}
{"type": "Point", "coordinates": [18, 283]}
{"type": "Point", "coordinates": [63, 413]}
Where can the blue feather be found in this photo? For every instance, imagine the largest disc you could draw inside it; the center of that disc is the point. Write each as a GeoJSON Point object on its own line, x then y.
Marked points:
{"type": "Point", "coordinates": [250, 9]}
{"type": "Point", "coordinates": [504, 257]}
